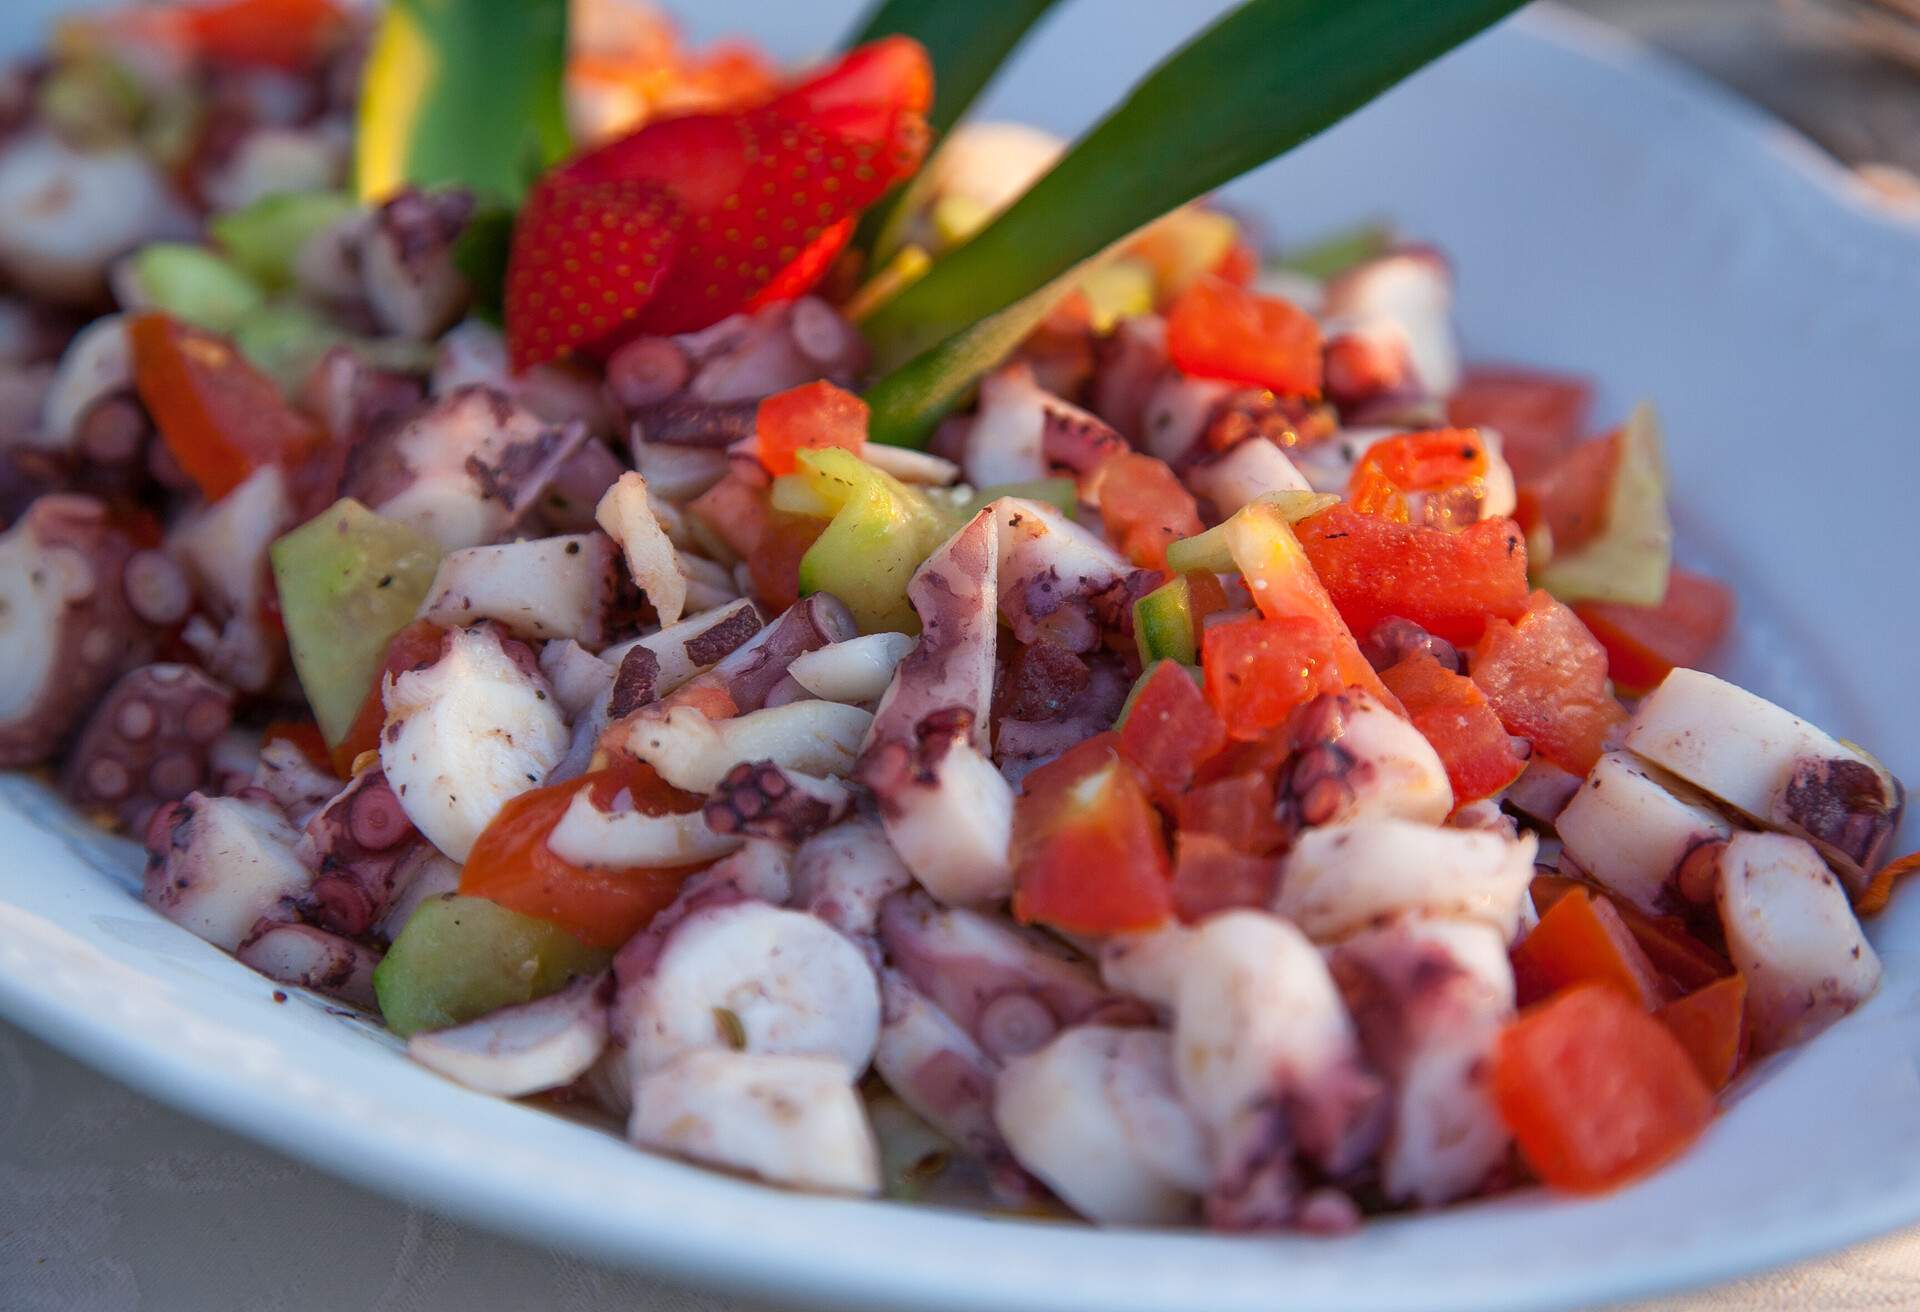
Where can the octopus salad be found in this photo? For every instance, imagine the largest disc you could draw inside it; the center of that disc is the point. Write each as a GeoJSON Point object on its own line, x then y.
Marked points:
{"type": "Point", "coordinates": [1247, 766]}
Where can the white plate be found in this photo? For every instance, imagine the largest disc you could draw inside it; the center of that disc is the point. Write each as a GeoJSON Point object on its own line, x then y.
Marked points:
{"type": "Point", "coordinates": [1606, 213]}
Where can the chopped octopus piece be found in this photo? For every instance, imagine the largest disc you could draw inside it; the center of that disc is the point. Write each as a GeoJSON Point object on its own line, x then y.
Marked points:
{"type": "Point", "coordinates": [546, 588]}
{"type": "Point", "coordinates": [67, 214]}
{"type": "Point", "coordinates": [1010, 990]}
{"type": "Point", "coordinates": [844, 874]}
{"type": "Point", "coordinates": [788, 1120]}
{"type": "Point", "coordinates": [1773, 767]}
{"type": "Point", "coordinates": [1354, 759]}
{"type": "Point", "coordinates": [1267, 1059]}
{"type": "Point", "coordinates": [1053, 573]}
{"type": "Point", "coordinates": [764, 800]}
{"type": "Point", "coordinates": [696, 753]}
{"type": "Point", "coordinates": [1428, 997]}
{"type": "Point", "coordinates": [311, 958]}
{"type": "Point", "coordinates": [286, 774]}
{"type": "Point", "coordinates": [855, 670]}
{"type": "Point", "coordinates": [70, 621]}
{"type": "Point", "coordinates": [579, 678]}
{"type": "Point", "coordinates": [1096, 1115]}
{"type": "Point", "coordinates": [1793, 937]}
{"type": "Point", "coordinates": [1408, 292]}
{"type": "Point", "coordinates": [427, 874]}
{"type": "Point", "coordinates": [1021, 430]}
{"type": "Point", "coordinates": [1250, 470]}
{"type": "Point", "coordinates": [1542, 791]}
{"type": "Point", "coordinates": [947, 811]}
{"type": "Point", "coordinates": [408, 268]}
{"type": "Point", "coordinates": [682, 650]}
{"type": "Point", "coordinates": [538, 1045]}
{"type": "Point", "coordinates": [360, 846]}
{"type": "Point", "coordinates": [218, 866]}
{"type": "Point", "coordinates": [148, 742]}
{"type": "Point", "coordinates": [465, 471]}
{"type": "Point", "coordinates": [97, 365]}
{"type": "Point", "coordinates": [627, 839]}
{"type": "Point", "coordinates": [224, 547]}
{"type": "Point", "coordinates": [1342, 878]}
{"type": "Point", "coordinates": [753, 669]}
{"type": "Point", "coordinates": [1632, 826]}
{"type": "Point", "coordinates": [628, 518]}
{"type": "Point", "coordinates": [937, 1069]}
{"type": "Point", "coordinates": [1147, 965]}
{"type": "Point", "coordinates": [755, 978]}
{"type": "Point", "coordinates": [466, 733]}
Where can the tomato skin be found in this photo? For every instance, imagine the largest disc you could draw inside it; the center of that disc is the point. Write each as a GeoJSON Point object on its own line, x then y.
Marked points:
{"type": "Point", "coordinates": [1447, 583]}
{"type": "Point", "coordinates": [1538, 414]}
{"type": "Point", "coordinates": [1452, 713]}
{"type": "Point", "coordinates": [419, 643]}
{"type": "Point", "coordinates": [1144, 507]}
{"type": "Point", "coordinates": [1089, 855]}
{"type": "Point", "coordinates": [1582, 939]}
{"type": "Point", "coordinates": [1170, 731]}
{"type": "Point", "coordinates": [512, 865]}
{"type": "Point", "coordinates": [857, 95]}
{"type": "Point", "coordinates": [1259, 671]}
{"type": "Point", "coordinates": [221, 418]}
{"type": "Point", "coordinates": [1569, 499]}
{"type": "Point", "coordinates": [1436, 460]}
{"type": "Point", "coordinates": [1646, 643]}
{"type": "Point", "coordinates": [1217, 330]}
{"type": "Point", "coordinates": [737, 510]}
{"type": "Point", "coordinates": [1687, 962]}
{"type": "Point", "coordinates": [1711, 1025]}
{"type": "Point", "coordinates": [808, 418]}
{"type": "Point", "coordinates": [1237, 809]}
{"type": "Point", "coordinates": [1211, 875]}
{"type": "Point", "coordinates": [774, 563]}
{"type": "Point", "coordinates": [1595, 1091]}
{"type": "Point", "coordinates": [1546, 677]}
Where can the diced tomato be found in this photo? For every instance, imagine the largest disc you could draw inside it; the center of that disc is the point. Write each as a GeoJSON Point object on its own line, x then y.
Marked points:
{"type": "Point", "coordinates": [1258, 672]}
{"type": "Point", "coordinates": [1239, 266]}
{"type": "Point", "coordinates": [1206, 595]}
{"type": "Point", "coordinates": [1438, 460]}
{"type": "Point", "coordinates": [1547, 679]}
{"type": "Point", "coordinates": [287, 34]}
{"type": "Point", "coordinates": [1285, 585]}
{"type": "Point", "coordinates": [736, 510]}
{"type": "Point", "coordinates": [1217, 330]}
{"type": "Point", "coordinates": [808, 418]}
{"type": "Point", "coordinates": [1676, 951]}
{"type": "Point", "coordinates": [1711, 1025]}
{"type": "Point", "coordinates": [1879, 890]}
{"type": "Point", "coordinates": [1238, 809]}
{"type": "Point", "coordinates": [302, 734]}
{"type": "Point", "coordinates": [511, 863]}
{"type": "Point", "coordinates": [1452, 713]}
{"type": "Point", "coordinates": [1447, 583]}
{"type": "Point", "coordinates": [1539, 415]}
{"type": "Point", "coordinates": [1570, 498]}
{"type": "Point", "coordinates": [1170, 730]}
{"type": "Point", "coordinates": [1581, 939]}
{"type": "Point", "coordinates": [774, 562]}
{"type": "Point", "coordinates": [1088, 852]}
{"type": "Point", "coordinates": [1211, 874]}
{"type": "Point", "coordinates": [1144, 507]}
{"type": "Point", "coordinates": [1646, 643]}
{"type": "Point", "coordinates": [419, 643]}
{"type": "Point", "coordinates": [1595, 1091]}
{"type": "Point", "coordinates": [221, 418]}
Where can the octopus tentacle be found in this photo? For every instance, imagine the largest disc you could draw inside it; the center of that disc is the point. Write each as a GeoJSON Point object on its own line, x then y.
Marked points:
{"type": "Point", "coordinates": [148, 742]}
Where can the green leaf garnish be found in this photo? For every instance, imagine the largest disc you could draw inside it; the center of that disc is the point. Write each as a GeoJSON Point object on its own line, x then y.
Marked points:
{"type": "Point", "coordinates": [463, 93]}
{"type": "Point", "coordinates": [1258, 82]}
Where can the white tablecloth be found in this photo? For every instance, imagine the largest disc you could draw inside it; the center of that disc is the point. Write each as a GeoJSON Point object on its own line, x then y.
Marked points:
{"type": "Point", "coordinates": [111, 1203]}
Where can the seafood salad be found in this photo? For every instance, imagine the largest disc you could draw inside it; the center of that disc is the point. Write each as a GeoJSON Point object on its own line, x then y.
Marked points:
{"type": "Point", "coordinates": [1222, 759]}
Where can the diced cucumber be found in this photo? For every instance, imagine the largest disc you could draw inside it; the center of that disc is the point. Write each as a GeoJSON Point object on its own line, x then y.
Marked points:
{"type": "Point", "coordinates": [1630, 560]}
{"type": "Point", "coordinates": [264, 239]}
{"type": "Point", "coordinates": [881, 531]}
{"type": "Point", "coordinates": [348, 580]}
{"type": "Point", "coordinates": [459, 958]}
{"type": "Point", "coordinates": [196, 285]}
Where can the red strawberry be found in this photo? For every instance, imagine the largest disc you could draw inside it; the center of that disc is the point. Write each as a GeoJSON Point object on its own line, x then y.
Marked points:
{"type": "Point", "coordinates": [765, 200]}
{"type": "Point", "coordinates": [587, 257]}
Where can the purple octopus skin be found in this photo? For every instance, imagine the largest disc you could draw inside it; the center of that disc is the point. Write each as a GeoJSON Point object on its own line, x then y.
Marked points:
{"type": "Point", "coordinates": [577, 486]}
{"type": "Point", "coordinates": [1844, 803]}
{"type": "Point", "coordinates": [1394, 640]}
{"type": "Point", "coordinates": [310, 958]}
{"type": "Point", "coordinates": [1023, 745]}
{"type": "Point", "coordinates": [844, 875]}
{"type": "Point", "coordinates": [70, 623]}
{"type": "Point", "coordinates": [688, 388]}
{"type": "Point", "coordinates": [932, 1065]}
{"type": "Point", "coordinates": [1009, 993]}
{"type": "Point", "coordinates": [1127, 367]}
{"type": "Point", "coordinates": [218, 866]}
{"type": "Point", "coordinates": [753, 669]}
{"type": "Point", "coordinates": [359, 846]}
{"type": "Point", "coordinates": [411, 279]}
{"type": "Point", "coordinates": [764, 800]}
{"type": "Point", "coordinates": [148, 742]}
{"type": "Point", "coordinates": [357, 402]}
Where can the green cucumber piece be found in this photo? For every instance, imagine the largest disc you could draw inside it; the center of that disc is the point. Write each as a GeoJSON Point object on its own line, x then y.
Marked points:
{"type": "Point", "coordinates": [1163, 624]}
{"type": "Point", "coordinates": [1630, 560]}
{"type": "Point", "coordinates": [459, 958]}
{"type": "Point", "coordinates": [194, 284]}
{"type": "Point", "coordinates": [264, 239]}
{"type": "Point", "coordinates": [348, 580]}
{"type": "Point", "coordinates": [881, 531]}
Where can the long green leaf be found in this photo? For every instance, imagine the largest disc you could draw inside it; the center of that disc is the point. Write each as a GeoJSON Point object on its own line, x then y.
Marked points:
{"type": "Point", "coordinates": [1258, 82]}
{"type": "Point", "coordinates": [463, 92]}
{"type": "Point", "coordinates": [968, 40]}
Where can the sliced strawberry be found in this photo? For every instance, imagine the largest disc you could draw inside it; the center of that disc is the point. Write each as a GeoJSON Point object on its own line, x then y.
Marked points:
{"type": "Point", "coordinates": [857, 95]}
{"type": "Point", "coordinates": [587, 258]}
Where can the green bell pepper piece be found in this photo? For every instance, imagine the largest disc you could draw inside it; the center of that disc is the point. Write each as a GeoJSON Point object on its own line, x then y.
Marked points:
{"type": "Point", "coordinates": [348, 580]}
{"type": "Point", "coordinates": [459, 958]}
{"type": "Point", "coordinates": [1163, 624]}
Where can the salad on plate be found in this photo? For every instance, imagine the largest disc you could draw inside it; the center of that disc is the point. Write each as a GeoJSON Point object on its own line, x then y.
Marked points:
{"type": "Point", "coordinates": [886, 654]}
